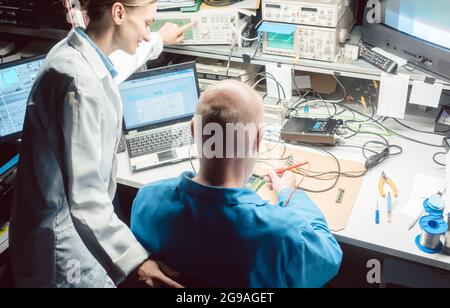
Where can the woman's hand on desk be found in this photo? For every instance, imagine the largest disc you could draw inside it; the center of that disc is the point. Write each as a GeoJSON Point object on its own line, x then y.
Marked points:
{"type": "Point", "coordinates": [278, 183]}
{"type": "Point", "coordinates": [156, 274]}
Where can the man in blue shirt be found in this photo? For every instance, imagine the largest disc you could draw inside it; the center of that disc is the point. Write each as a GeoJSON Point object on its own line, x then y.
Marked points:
{"type": "Point", "coordinates": [210, 227]}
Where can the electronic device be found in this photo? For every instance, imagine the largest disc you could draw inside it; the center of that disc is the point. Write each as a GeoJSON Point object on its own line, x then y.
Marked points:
{"type": "Point", "coordinates": [248, 32]}
{"type": "Point", "coordinates": [377, 158]}
{"type": "Point", "coordinates": [307, 42]}
{"type": "Point", "coordinates": [216, 26]}
{"type": "Point", "coordinates": [210, 71]}
{"type": "Point", "coordinates": [442, 123]}
{"type": "Point", "coordinates": [255, 182]}
{"type": "Point", "coordinates": [7, 174]}
{"type": "Point", "coordinates": [29, 13]}
{"type": "Point", "coordinates": [324, 13]}
{"type": "Point", "coordinates": [16, 81]}
{"type": "Point", "coordinates": [415, 30]}
{"type": "Point", "coordinates": [157, 108]}
{"type": "Point", "coordinates": [377, 60]}
{"type": "Point", "coordinates": [312, 131]}
{"type": "Point", "coordinates": [9, 159]}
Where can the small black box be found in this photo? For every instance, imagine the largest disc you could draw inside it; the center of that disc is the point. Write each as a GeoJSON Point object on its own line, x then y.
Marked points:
{"type": "Point", "coordinates": [308, 130]}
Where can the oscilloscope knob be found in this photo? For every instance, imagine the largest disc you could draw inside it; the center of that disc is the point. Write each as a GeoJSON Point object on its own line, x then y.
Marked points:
{"type": "Point", "coordinates": [343, 35]}
{"type": "Point", "coordinates": [204, 31]}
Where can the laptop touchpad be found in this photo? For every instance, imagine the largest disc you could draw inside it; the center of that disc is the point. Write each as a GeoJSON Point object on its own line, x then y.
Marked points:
{"type": "Point", "coordinates": [168, 155]}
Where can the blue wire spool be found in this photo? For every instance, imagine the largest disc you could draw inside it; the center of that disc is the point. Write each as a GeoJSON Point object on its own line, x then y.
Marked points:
{"type": "Point", "coordinates": [434, 205]}
{"type": "Point", "coordinates": [432, 229]}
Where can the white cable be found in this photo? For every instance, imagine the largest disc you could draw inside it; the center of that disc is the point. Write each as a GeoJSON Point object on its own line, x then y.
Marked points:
{"type": "Point", "coordinates": [370, 124]}
{"type": "Point", "coordinates": [332, 101]}
{"type": "Point", "coordinates": [372, 147]}
{"type": "Point", "coordinates": [240, 37]}
{"type": "Point", "coordinates": [258, 82]}
{"type": "Point", "coordinates": [233, 44]}
{"type": "Point", "coordinates": [249, 39]}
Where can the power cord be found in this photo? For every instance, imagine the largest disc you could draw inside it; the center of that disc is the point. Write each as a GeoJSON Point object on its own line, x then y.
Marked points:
{"type": "Point", "coordinates": [436, 161]}
{"type": "Point", "coordinates": [377, 157]}
{"type": "Point", "coordinates": [258, 43]}
{"type": "Point", "coordinates": [418, 130]}
{"type": "Point", "coordinates": [391, 130]}
{"type": "Point", "coordinates": [269, 75]}
{"type": "Point", "coordinates": [229, 58]}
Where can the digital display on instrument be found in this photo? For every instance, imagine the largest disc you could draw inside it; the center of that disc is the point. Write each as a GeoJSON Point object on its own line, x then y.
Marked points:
{"type": "Point", "coordinates": [158, 23]}
{"type": "Point", "coordinates": [280, 41]}
{"type": "Point", "coordinates": [309, 9]}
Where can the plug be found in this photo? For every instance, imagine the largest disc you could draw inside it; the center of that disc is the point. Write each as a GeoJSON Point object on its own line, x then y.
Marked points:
{"type": "Point", "coordinates": [374, 160]}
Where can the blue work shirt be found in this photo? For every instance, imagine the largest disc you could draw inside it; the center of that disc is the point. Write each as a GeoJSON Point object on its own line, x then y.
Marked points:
{"type": "Point", "coordinates": [230, 237]}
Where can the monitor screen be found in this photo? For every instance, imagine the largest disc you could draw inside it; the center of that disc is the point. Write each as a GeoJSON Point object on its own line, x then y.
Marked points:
{"type": "Point", "coordinates": [159, 97]}
{"type": "Point", "coordinates": [16, 81]}
{"type": "Point", "coordinates": [428, 20]}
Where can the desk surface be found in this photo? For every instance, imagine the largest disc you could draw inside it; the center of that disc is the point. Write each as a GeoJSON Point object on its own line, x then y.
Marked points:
{"type": "Point", "coordinates": [391, 239]}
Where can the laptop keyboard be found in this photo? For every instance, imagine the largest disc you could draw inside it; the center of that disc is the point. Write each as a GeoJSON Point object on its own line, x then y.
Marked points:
{"type": "Point", "coordinates": [159, 141]}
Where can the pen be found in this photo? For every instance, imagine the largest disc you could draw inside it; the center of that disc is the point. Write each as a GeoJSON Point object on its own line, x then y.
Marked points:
{"type": "Point", "coordinates": [283, 170]}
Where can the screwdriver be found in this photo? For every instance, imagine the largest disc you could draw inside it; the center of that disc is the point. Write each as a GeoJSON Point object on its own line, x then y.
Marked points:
{"type": "Point", "coordinates": [389, 207]}
{"type": "Point", "coordinates": [377, 215]}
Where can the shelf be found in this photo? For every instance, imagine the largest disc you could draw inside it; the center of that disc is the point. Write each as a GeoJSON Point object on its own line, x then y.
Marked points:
{"type": "Point", "coordinates": [44, 33]}
{"type": "Point", "coordinates": [360, 69]}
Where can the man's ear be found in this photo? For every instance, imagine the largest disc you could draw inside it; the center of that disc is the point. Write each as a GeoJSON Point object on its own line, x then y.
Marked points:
{"type": "Point", "coordinates": [192, 129]}
{"type": "Point", "coordinates": [259, 138]}
{"type": "Point", "coordinates": [118, 13]}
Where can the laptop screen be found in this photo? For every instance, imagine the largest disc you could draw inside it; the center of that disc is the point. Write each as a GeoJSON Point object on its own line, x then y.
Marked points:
{"type": "Point", "coordinates": [16, 81]}
{"type": "Point", "coordinates": [159, 96]}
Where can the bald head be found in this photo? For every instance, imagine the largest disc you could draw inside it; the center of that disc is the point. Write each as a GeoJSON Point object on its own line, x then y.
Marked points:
{"type": "Point", "coordinates": [230, 101]}
{"type": "Point", "coordinates": [228, 121]}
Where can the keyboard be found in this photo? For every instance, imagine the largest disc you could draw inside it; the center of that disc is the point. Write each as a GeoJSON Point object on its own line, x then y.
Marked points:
{"type": "Point", "coordinates": [155, 142]}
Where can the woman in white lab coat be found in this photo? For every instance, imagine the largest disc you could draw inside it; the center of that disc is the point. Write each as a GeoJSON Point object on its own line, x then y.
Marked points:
{"type": "Point", "coordinates": [63, 229]}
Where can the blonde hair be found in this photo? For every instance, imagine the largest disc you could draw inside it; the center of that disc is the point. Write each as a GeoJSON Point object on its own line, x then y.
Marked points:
{"type": "Point", "coordinates": [96, 8]}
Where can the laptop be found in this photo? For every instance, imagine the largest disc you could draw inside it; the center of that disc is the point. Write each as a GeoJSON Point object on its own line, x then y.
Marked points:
{"type": "Point", "coordinates": [158, 106]}
{"type": "Point", "coordinates": [16, 81]}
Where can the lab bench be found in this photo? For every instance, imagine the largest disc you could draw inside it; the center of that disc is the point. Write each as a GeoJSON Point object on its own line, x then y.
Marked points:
{"type": "Point", "coordinates": [391, 244]}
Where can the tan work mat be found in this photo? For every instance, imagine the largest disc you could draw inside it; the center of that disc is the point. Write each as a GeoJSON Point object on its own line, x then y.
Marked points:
{"type": "Point", "coordinates": [337, 214]}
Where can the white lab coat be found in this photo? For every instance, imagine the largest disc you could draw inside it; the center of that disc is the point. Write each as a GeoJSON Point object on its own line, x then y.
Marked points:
{"type": "Point", "coordinates": [64, 232]}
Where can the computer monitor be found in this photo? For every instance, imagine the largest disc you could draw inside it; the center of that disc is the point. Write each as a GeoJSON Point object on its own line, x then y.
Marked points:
{"type": "Point", "coordinates": [16, 81]}
{"type": "Point", "coordinates": [417, 30]}
{"type": "Point", "coordinates": [160, 97]}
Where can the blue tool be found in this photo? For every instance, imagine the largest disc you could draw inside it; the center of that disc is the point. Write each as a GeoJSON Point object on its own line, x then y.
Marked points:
{"type": "Point", "coordinates": [434, 205]}
{"type": "Point", "coordinates": [377, 215]}
{"type": "Point", "coordinates": [389, 207]}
